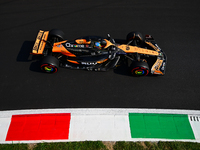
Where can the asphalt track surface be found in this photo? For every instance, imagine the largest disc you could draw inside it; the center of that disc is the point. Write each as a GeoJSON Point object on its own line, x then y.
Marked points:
{"type": "Point", "coordinates": [173, 24]}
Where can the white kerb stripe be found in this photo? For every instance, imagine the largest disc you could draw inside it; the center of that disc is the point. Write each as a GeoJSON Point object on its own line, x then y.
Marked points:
{"type": "Point", "coordinates": [4, 125]}
{"type": "Point", "coordinates": [195, 124]}
{"type": "Point", "coordinates": [99, 127]}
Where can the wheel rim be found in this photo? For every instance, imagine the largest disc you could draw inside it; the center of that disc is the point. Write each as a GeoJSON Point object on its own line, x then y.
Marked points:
{"type": "Point", "coordinates": [49, 68]}
{"type": "Point", "coordinates": [139, 71]}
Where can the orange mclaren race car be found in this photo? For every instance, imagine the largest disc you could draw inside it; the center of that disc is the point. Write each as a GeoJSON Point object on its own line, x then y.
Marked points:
{"type": "Point", "coordinates": [143, 55]}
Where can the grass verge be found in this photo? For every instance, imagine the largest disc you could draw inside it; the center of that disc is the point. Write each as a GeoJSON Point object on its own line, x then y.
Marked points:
{"type": "Point", "coordinates": [98, 145]}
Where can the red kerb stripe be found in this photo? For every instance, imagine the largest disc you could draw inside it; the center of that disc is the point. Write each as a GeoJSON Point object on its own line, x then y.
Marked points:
{"type": "Point", "coordinates": [39, 127]}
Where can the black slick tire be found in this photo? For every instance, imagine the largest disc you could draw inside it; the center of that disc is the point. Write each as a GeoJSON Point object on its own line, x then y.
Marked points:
{"type": "Point", "coordinates": [135, 37]}
{"type": "Point", "coordinates": [139, 69]}
{"type": "Point", "coordinates": [49, 64]}
{"type": "Point", "coordinates": [56, 33]}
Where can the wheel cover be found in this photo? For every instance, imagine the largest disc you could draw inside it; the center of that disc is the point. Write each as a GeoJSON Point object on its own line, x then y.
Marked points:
{"type": "Point", "coordinates": [139, 71]}
{"type": "Point", "coordinates": [49, 68]}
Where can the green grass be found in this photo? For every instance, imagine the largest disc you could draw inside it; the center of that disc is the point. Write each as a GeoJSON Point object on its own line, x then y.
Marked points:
{"type": "Point", "coordinates": [71, 146]}
{"type": "Point", "coordinates": [156, 146]}
{"type": "Point", "coordinates": [13, 146]}
{"type": "Point", "coordinates": [89, 145]}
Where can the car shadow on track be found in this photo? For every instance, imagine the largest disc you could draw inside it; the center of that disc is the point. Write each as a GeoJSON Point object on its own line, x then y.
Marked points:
{"type": "Point", "coordinates": [25, 56]}
{"type": "Point", "coordinates": [124, 69]}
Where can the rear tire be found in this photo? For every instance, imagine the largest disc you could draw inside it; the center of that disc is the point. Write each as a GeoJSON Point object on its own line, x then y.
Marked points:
{"type": "Point", "coordinates": [139, 69]}
{"type": "Point", "coordinates": [49, 64]}
{"type": "Point", "coordinates": [56, 34]}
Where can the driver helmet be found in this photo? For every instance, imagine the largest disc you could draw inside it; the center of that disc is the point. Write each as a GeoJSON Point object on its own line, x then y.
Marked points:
{"type": "Point", "coordinates": [97, 45]}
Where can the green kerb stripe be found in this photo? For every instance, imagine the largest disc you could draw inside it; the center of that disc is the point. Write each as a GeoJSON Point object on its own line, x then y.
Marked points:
{"type": "Point", "coordinates": [162, 126]}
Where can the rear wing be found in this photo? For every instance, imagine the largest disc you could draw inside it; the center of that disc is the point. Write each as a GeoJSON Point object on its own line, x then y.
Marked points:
{"type": "Point", "coordinates": [40, 42]}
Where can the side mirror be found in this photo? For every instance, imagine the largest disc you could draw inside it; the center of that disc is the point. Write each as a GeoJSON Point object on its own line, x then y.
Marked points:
{"type": "Point", "coordinates": [110, 39]}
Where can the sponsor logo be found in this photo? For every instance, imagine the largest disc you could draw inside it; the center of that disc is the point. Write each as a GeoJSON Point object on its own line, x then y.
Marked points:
{"type": "Point", "coordinates": [41, 46]}
{"type": "Point", "coordinates": [59, 45]}
{"type": "Point", "coordinates": [35, 46]}
{"type": "Point", "coordinates": [127, 48]}
{"type": "Point", "coordinates": [44, 36]}
{"type": "Point", "coordinates": [158, 64]}
{"type": "Point", "coordinates": [74, 45]}
{"type": "Point", "coordinates": [163, 66]}
{"type": "Point", "coordinates": [68, 45]}
{"type": "Point", "coordinates": [88, 63]}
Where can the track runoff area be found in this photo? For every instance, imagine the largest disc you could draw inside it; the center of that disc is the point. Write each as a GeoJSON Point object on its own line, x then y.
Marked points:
{"type": "Point", "coordinates": [65, 125]}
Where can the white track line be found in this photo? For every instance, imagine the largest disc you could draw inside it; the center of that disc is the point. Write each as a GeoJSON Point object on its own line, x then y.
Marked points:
{"type": "Point", "coordinates": [100, 111]}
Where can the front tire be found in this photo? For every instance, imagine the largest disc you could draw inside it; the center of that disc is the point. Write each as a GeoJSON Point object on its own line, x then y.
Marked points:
{"type": "Point", "coordinates": [139, 69]}
{"type": "Point", "coordinates": [49, 64]}
{"type": "Point", "coordinates": [135, 38]}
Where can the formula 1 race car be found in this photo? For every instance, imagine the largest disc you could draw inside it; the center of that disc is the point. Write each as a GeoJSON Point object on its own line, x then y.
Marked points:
{"type": "Point", "coordinates": [96, 53]}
